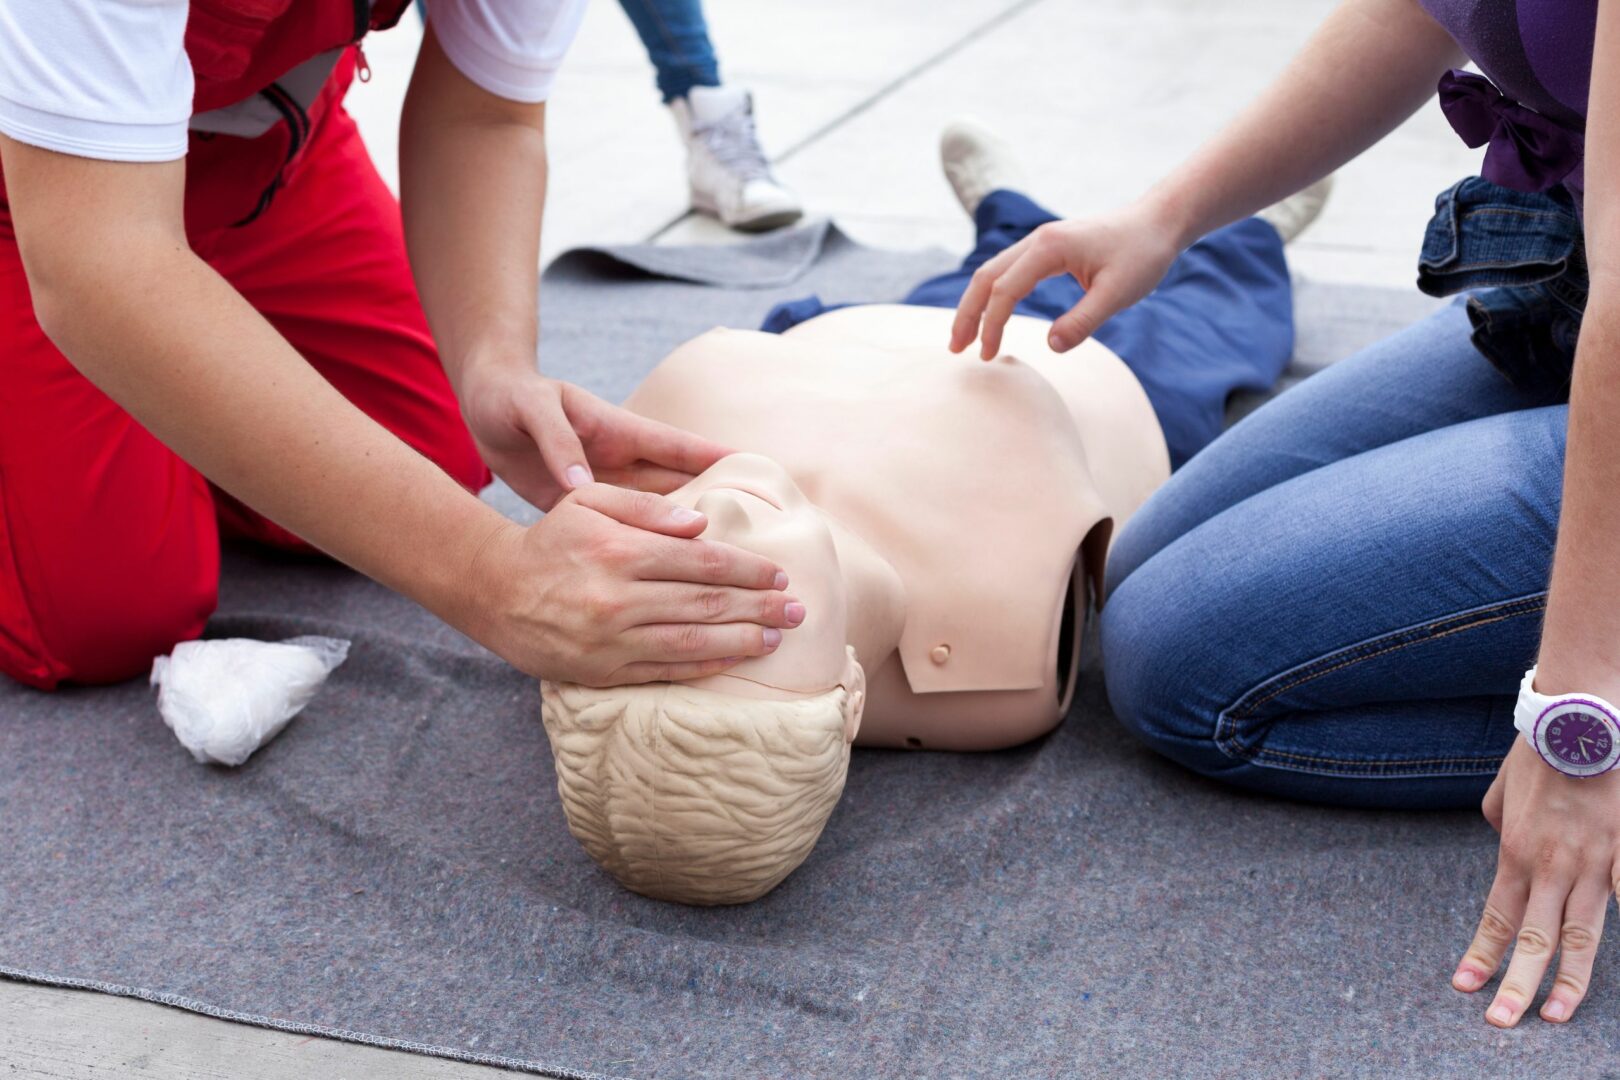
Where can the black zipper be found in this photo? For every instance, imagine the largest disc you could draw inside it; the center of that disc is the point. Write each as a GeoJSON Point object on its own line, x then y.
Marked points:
{"type": "Point", "coordinates": [292, 112]}
{"type": "Point", "coordinates": [393, 22]}
{"type": "Point", "coordinates": [362, 24]}
{"type": "Point", "coordinates": [297, 121]}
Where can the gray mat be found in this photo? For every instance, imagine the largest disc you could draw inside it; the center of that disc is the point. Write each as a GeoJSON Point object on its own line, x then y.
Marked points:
{"type": "Point", "coordinates": [395, 868]}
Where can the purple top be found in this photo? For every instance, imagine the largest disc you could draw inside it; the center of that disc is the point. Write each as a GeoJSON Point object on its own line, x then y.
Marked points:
{"type": "Point", "coordinates": [1538, 53]}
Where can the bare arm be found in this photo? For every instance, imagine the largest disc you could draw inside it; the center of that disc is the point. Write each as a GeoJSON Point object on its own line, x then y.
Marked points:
{"type": "Point", "coordinates": [473, 186]}
{"type": "Point", "coordinates": [472, 189]}
{"type": "Point", "coordinates": [1367, 68]}
{"type": "Point", "coordinates": [1560, 851]}
{"type": "Point", "coordinates": [120, 292]}
{"type": "Point", "coordinates": [610, 587]}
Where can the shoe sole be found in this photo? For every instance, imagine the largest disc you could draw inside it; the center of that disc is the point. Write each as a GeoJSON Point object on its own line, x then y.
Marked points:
{"type": "Point", "coordinates": [763, 223]}
{"type": "Point", "coordinates": [768, 221]}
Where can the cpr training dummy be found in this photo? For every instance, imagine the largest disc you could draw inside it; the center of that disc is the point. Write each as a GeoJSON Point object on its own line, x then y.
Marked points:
{"type": "Point", "coordinates": [939, 516]}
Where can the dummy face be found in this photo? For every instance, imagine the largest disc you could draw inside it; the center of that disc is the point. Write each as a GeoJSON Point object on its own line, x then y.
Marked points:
{"type": "Point", "coordinates": [753, 504]}
{"type": "Point", "coordinates": [852, 596]}
{"type": "Point", "coordinates": [712, 792]}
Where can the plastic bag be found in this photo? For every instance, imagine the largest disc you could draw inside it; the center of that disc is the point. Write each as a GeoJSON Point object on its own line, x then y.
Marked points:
{"type": "Point", "coordinates": [225, 698]}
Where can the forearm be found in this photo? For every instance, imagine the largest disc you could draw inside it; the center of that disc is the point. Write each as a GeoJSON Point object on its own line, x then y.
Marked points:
{"type": "Point", "coordinates": [175, 345]}
{"type": "Point", "coordinates": [1580, 642]}
{"type": "Point", "coordinates": [473, 187]}
{"type": "Point", "coordinates": [1580, 645]}
{"type": "Point", "coordinates": [1364, 71]}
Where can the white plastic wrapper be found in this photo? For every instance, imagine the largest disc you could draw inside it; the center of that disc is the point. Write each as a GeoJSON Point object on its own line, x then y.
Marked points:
{"type": "Point", "coordinates": [224, 699]}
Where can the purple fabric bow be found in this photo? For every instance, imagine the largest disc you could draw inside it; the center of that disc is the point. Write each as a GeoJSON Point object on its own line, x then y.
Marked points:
{"type": "Point", "coordinates": [1527, 152]}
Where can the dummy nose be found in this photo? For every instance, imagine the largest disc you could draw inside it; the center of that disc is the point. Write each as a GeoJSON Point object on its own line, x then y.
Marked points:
{"type": "Point", "coordinates": [761, 475]}
{"type": "Point", "coordinates": [726, 511]}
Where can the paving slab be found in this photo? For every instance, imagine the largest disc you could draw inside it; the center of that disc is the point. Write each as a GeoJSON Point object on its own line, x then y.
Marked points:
{"type": "Point", "coordinates": [53, 1034]}
{"type": "Point", "coordinates": [1135, 86]}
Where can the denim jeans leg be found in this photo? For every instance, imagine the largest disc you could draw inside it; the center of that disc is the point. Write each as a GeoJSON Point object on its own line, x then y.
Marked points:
{"type": "Point", "coordinates": [676, 38]}
{"type": "Point", "coordinates": [1356, 634]}
{"type": "Point", "coordinates": [1522, 256]}
{"type": "Point", "coordinates": [1425, 377]}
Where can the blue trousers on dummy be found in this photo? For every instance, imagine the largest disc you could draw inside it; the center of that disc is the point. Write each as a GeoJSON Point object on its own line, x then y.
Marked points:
{"type": "Point", "coordinates": [676, 37]}
{"type": "Point", "coordinates": [1221, 321]}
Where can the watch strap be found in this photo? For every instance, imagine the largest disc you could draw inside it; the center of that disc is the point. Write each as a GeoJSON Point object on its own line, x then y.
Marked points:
{"type": "Point", "coordinates": [1531, 704]}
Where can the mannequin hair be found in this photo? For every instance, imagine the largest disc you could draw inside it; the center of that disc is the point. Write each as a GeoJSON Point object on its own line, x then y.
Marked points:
{"type": "Point", "coordinates": [693, 795]}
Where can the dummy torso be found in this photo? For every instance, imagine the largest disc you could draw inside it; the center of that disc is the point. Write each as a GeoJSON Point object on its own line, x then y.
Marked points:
{"type": "Point", "coordinates": [987, 488]}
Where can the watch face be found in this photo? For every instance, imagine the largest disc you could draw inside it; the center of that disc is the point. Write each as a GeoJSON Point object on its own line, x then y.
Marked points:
{"type": "Point", "coordinates": [1577, 737]}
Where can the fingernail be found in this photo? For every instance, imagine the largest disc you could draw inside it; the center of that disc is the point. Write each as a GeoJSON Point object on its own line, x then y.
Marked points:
{"type": "Point", "coordinates": [1500, 1014]}
{"type": "Point", "coordinates": [1055, 343]}
{"type": "Point", "coordinates": [683, 516]}
{"type": "Point", "coordinates": [577, 476]}
{"type": "Point", "coordinates": [781, 581]}
{"type": "Point", "coordinates": [794, 613]}
{"type": "Point", "coordinates": [1467, 979]}
{"type": "Point", "coordinates": [1555, 1009]}
{"type": "Point", "coordinates": [773, 637]}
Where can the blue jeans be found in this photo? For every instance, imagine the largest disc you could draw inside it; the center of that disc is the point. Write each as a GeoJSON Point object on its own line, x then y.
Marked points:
{"type": "Point", "coordinates": [1335, 601]}
{"type": "Point", "coordinates": [677, 41]}
{"type": "Point", "coordinates": [1526, 252]}
{"type": "Point", "coordinates": [1221, 321]}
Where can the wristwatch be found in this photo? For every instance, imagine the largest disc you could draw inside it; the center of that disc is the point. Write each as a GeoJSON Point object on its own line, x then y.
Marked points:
{"type": "Point", "coordinates": [1577, 734]}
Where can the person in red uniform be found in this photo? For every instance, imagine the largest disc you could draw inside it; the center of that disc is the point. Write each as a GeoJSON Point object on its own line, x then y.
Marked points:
{"type": "Point", "coordinates": [215, 318]}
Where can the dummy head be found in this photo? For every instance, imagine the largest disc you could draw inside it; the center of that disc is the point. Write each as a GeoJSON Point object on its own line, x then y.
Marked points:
{"type": "Point", "coordinates": [698, 796]}
{"type": "Point", "coordinates": [712, 792]}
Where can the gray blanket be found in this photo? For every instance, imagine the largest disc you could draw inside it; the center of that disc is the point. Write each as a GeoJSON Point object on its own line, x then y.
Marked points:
{"type": "Point", "coordinates": [395, 867]}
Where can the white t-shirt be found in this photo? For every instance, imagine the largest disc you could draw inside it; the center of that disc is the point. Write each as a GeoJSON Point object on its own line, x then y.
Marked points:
{"type": "Point", "coordinates": [109, 78]}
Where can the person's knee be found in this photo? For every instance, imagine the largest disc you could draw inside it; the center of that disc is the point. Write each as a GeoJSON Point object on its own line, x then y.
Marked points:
{"type": "Point", "coordinates": [1156, 647]}
{"type": "Point", "coordinates": [113, 632]}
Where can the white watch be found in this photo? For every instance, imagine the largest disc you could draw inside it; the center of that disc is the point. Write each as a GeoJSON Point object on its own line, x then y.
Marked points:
{"type": "Point", "coordinates": [1577, 734]}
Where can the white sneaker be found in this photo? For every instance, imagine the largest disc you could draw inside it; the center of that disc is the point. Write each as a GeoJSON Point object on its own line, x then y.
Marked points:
{"type": "Point", "coordinates": [977, 161]}
{"type": "Point", "coordinates": [1290, 216]}
{"type": "Point", "coordinates": [729, 174]}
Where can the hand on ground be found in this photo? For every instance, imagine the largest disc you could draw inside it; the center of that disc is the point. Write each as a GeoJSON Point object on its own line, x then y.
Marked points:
{"type": "Point", "coordinates": [1554, 873]}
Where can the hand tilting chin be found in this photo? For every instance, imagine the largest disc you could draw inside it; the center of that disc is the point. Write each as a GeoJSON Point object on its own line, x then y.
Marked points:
{"type": "Point", "coordinates": [501, 409]}
{"type": "Point", "coordinates": [1555, 871]}
{"type": "Point", "coordinates": [546, 438]}
{"type": "Point", "coordinates": [614, 587]}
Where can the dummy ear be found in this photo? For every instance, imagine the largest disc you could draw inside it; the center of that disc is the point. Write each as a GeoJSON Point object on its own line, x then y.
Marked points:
{"type": "Point", "coordinates": [854, 697]}
{"type": "Point", "coordinates": [1094, 555]}
{"type": "Point", "coordinates": [853, 707]}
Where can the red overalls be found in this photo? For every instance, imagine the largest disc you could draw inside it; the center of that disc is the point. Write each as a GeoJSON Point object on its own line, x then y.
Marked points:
{"type": "Point", "coordinates": [109, 543]}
